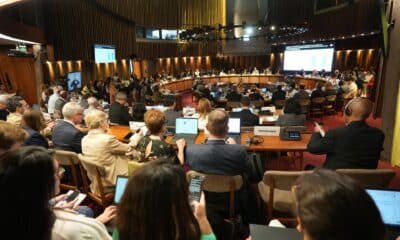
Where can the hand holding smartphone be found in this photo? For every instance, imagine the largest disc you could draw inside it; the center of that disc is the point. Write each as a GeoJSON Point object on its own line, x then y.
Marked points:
{"type": "Point", "coordinates": [195, 188]}
{"type": "Point", "coordinates": [318, 127]}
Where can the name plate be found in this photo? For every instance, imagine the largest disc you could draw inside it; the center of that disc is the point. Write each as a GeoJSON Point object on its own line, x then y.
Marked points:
{"type": "Point", "coordinates": [267, 130]}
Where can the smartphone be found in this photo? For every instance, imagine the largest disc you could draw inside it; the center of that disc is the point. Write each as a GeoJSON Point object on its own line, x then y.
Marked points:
{"type": "Point", "coordinates": [72, 196]}
{"type": "Point", "coordinates": [195, 188]}
{"type": "Point", "coordinates": [294, 135]}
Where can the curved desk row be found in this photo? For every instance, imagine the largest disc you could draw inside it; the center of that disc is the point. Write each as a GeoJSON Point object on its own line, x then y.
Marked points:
{"type": "Point", "coordinates": [185, 84]}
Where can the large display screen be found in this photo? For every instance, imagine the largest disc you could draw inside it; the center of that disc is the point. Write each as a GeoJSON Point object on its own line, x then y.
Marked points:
{"type": "Point", "coordinates": [309, 57]}
{"type": "Point", "coordinates": [104, 53]}
{"type": "Point", "coordinates": [74, 80]}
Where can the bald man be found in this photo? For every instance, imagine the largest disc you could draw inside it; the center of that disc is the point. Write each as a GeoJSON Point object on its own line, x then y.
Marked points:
{"type": "Point", "coordinates": [357, 145]}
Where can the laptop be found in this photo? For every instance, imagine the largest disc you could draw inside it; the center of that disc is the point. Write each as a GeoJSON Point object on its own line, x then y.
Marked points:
{"type": "Point", "coordinates": [234, 129]}
{"type": "Point", "coordinates": [387, 202]}
{"type": "Point", "coordinates": [262, 232]}
{"type": "Point", "coordinates": [120, 188]}
{"type": "Point", "coordinates": [186, 128]}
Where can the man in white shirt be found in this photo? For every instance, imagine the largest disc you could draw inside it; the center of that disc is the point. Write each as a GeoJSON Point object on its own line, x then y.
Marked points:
{"type": "Point", "coordinates": [53, 98]}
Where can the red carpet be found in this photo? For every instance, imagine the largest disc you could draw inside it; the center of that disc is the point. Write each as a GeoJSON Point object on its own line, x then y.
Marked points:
{"type": "Point", "coordinates": [329, 122]}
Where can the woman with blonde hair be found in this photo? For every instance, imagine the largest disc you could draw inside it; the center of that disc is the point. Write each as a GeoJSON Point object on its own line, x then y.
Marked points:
{"type": "Point", "coordinates": [203, 109]}
{"type": "Point", "coordinates": [105, 149]}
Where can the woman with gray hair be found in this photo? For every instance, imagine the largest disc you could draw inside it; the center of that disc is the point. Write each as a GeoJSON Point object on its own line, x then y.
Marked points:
{"type": "Point", "coordinates": [105, 149]}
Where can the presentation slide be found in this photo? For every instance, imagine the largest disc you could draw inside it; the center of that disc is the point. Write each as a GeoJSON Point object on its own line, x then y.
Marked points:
{"type": "Point", "coordinates": [308, 57]}
{"type": "Point", "coordinates": [104, 53]}
{"type": "Point", "coordinates": [74, 80]}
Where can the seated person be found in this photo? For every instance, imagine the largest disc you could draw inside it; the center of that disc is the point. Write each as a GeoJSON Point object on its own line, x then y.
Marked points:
{"type": "Point", "coordinates": [153, 145]}
{"type": "Point", "coordinates": [325, 200]}
{"type": "Point", "coordinates": [158, 97]}
{"type": "Point", "coordinates": [203, 109]}
{"type": "Point", "coordinates": [302, 93]}
{"type": "Point", "coordinates": [93, 104]}
{"type": "Point", "coordinates": [32, 124]}
{"type": "Point", "coordinates": [357, 145]}
{"type": "Point", "coordinates": [16, 108]}
{"type": "Point", "coordinates": [291, 114]}
{"type": "Point", "coordinates": [66, 135]}
{"type": "Point", "coordinates": [279, 94]}
{"type": "Point", "coordinates": [247, 119]}
{"type": "Point", "coordinates": [318, 91]}
{"type": "Point", "coordinates": [171, 113]}
{"type": "Point", "coordinates": [292, 91]}
{"type": "Point", "coordinates": [11, 137]}
{"type": "Point", "coordinates": [37, 173]}
{"type": "Point", "coordinates": [3, 107]}
{"type": "Point", "coordinates": [119, 113]}
{"type": "Point", "coordinates": [255, 95]}
{"type": "Point", "coordinates": [329, 90]}
{"type": "Point", "coordinates": [138, 111]}
{"type": "Point", "coordinates": [233, 95]}
{"type": "Point", "coordinates": [105, 149]}
{"type": "Point", "coordinates": [159, 190]}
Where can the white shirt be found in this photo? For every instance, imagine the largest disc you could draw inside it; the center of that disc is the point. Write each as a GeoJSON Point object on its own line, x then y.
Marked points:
{"type": "Point", "coordinates": [69, 225]}
{"type": "Point", "coordinates": [52, 102]}
{"type": "Point", "coordinates": [202, 121]}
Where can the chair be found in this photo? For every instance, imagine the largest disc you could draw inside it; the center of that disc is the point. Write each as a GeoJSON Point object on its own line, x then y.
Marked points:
{"type": "Point", "coordinates": [279, 103]}
{"type": "Point", "coordinates": [317, 107]}
{"type": "Point", "coordinates": [330, 104]}
{"type": "Point", "coordinates": [370, 178]}
{"type": "Point", "coordinates": [70, 159]}
{"type": "Point", "coordinates": [104, 198]}
{"type": "Point", "coordinates": [305, 106]}
{"type": "Point", "coordinates": [276, 191]}
{"type": "Point", "coordinates": [221, 184]}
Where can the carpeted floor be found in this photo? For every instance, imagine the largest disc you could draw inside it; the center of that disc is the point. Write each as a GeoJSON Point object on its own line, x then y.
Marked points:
{"type": "Point", "coordinates": [329, 122]}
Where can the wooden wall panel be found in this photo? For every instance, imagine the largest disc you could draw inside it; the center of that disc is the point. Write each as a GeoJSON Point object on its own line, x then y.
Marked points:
{"type": "Point", "coordinates": [18, 74]}
{"type": "Point", "coordinates": [177, 65]}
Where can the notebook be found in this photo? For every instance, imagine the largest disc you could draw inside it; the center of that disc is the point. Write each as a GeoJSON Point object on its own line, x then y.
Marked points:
{"type": "Point", "coordinates": [120, 188]}
{"type": "Point", "coordinates": [186, 128]}
{"type": "Point", "coordinates": [387, 202]}
{"type": "Point", "coordinates": [234, 129]}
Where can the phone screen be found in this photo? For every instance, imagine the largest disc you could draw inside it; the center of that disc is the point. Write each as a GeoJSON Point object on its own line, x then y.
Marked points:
{"type": "Point", "coordinates": [294, 135]}
{"type": "Point", "coordinates": [72, 196]}
{"type": "Point", "coordinates": [195, 188]}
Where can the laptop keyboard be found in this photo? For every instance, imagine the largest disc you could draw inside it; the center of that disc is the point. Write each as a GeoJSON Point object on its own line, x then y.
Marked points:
{"type": "Point", "coordinates": [189, 138]}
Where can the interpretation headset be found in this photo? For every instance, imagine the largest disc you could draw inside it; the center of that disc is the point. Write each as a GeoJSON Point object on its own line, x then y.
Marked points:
{"type": "Point", "coordinates": [255, 140]}
{"type": "Point", "coordinates": [347, 109]}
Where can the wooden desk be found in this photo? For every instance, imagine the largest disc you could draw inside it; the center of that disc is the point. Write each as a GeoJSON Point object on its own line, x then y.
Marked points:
{"type": "Point", "coordinates": [270, 143]}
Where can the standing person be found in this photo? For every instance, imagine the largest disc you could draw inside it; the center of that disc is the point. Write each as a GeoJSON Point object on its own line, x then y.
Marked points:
{"type": "Point", "coordinates": [53, 98]}
{"type": "Point", "coordinates": [140, 205]}
{"type": "Point", "coordinates": [357, 145]}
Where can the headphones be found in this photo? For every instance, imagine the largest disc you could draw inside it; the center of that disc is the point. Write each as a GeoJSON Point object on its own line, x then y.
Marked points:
{"type": "Point", "coordinates": [348, 109]}
{"type": "Point", "coordinates": [254, 140]}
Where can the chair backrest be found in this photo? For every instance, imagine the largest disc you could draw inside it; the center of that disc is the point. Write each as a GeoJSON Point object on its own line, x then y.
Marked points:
{"type": "Point", "coordinates": [318, 100]}
{"type": "Point", "coordinates": [94, 169]}
{"type": "Point", "coordinates": [66, 157]}
{"type": "Point", "coordinates": [370, 178]}
{"type": "Point", "coordinates": [218, 183]}
{"type": "Point", "coordinates": [331, 98]}
{"type": "Point", "coordinates": [282, 180]}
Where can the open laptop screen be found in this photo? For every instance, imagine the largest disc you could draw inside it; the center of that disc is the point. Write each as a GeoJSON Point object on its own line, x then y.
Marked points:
{"type": "Point", "coordinates": [234, 126]}
{"type": "Point", "coordinates": [387, 202]}
{"type": "Point", "coordinates": [186, 126]}
{"type": "Point", "coordinates": [120, 188]}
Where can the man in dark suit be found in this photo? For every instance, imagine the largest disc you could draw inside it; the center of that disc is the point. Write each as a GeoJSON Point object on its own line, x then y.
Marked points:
{"type": "Point", "coordinates": [247, 119]}
{"type": "Point", "coordinates": [279, 94]}
{"type": "Point", "coordinates": [233, 95]}
{"type": "Point", "coordinates": [302, 93]}
{"type": "Point", "coordinates": [356, 145]}
{"type": "Point", "coordinates": [119, 113]}
{"type": "Point", "coordinates": [66, 136]}
{"type": "Point", "coordinates": [171, 114]}
{"type": "Point", "coordinates": [217, 155]}
{"type": "Point", "coordinates": [318, 92]}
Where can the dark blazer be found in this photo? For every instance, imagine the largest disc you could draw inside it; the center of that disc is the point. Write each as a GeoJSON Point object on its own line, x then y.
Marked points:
{"type": "Point", "coordinates": [3, 114]}
{"type": "Point", "coordinates": [317, 93]}
{"type": "Point", "coordinates": [233, 96]}
{"type": "Point", "coordinates": [301, 94]}
{"type": "Point", "coordinates": [278, 95]}
{"type": "Point", "coordinates": [119, 114]}
{"type": "Point", "coordinates": [247, 119]}
{"type": "Point", "coordinates": [67, 137]}
{"type": "Point", "coordinates": [217, 157]}
{"type": "Point", "coordinates": [171, 116]}
{"type": "Point", "coordinates": [35, 139]}
{"type": "Point", "coordinates": [356, 145]}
